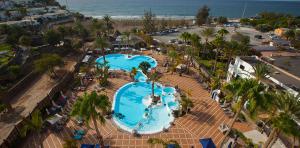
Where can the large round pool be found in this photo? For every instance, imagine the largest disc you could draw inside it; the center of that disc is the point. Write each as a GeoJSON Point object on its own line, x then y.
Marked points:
{"type": "Point", "coordinates": [126, 62]}
{"type": "Point", "coordinates": [132, 109]}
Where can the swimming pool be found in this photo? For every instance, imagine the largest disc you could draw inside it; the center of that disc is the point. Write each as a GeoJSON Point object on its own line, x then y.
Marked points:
{"type": "Point", "coordinates": [132, 111]}
{"type": "Point", "coordinates": [126, 62]}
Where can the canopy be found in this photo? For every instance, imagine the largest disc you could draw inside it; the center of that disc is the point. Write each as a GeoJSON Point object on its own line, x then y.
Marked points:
{"type": "Point", "coordinates": [207, 143]}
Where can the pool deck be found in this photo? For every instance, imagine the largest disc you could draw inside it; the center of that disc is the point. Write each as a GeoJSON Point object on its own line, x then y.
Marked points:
{"type": "Point", "coordinates": [201, 122]}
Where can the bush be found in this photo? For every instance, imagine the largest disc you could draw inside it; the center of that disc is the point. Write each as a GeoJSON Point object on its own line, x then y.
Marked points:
{"type": "Point", "coordinates": [264, 27]}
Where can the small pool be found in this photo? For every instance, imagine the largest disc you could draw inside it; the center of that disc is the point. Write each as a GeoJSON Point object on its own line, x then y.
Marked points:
{"type": "Point", "coordinates": [132, 111]}
{"type": "Point", "coordinates": [126, 62]}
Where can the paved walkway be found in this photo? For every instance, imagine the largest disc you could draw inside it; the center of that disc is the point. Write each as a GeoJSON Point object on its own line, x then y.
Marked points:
{"type": "Point", "coordinates": [202, 122]}
{"type": "Point", "coordinates": [25, 102]}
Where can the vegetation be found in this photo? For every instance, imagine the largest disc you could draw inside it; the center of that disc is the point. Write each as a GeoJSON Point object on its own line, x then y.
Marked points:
{"type": "Point", "coordinates": [153, 77]}
{"type": "Point", "coordinates": [186, 103]}
{"type": "Point", "coordinates": [202, 16]}
{"type": "Point", "coordinates": [70, 143]}
{"type": "Point", "coordinates": [102, 73]}
{"type": "Point", "coordinates": [153, 141]}
{"type": "Point", "coordinates": [93, 107]}
{"type": "Point", "coordinates": [101, 43]}
{"type": "Point", "coordinates": [267, 21]}
{"type": "Point", "coordinates": [148, 22]}
{"type": "Point", "coordinates": [52, 37]}
{"type": "Point", "coordinates": [35, 124]}
{"type": "Point", "coordinates": [145, 66]}
{"type": "Point", "coordinates": [283, 108]}
{"type": "Point", "coordinates": [244, 90]}
{"type": "Point", "coordinates": [47, 63]}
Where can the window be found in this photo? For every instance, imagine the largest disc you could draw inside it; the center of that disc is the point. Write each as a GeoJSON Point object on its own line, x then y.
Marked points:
{"type": "Point", "coordinates": [242, 67]}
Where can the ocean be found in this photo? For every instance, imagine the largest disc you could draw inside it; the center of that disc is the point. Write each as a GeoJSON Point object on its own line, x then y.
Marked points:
{"type": "Point", "coordinates": [180, 8]}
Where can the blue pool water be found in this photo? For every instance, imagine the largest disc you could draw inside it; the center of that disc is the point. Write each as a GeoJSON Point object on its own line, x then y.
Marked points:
{"type": "Point", "coordinates": [140, 76]}
{"type": "Point", "coordinates": [131, 101]}
{"type": "Point", "coordinates": [126, 62]}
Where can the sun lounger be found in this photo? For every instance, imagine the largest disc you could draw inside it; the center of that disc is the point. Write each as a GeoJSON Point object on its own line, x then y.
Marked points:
{"type": "Point", "coordinates": [223, 128]}
{"type": "Point", "coordinates": [98, 146]}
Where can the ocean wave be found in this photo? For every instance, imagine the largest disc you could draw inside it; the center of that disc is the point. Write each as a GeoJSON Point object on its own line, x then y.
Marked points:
{"type": "Point", "coordinates": [138, 17]}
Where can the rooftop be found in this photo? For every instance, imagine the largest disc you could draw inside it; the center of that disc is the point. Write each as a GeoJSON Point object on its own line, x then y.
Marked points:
{"type": "Point", "coordinates": [289, 78]}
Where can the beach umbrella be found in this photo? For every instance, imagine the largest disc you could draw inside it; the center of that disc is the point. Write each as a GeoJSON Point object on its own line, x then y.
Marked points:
{"type": "Point", "coordinates": [207, 143]}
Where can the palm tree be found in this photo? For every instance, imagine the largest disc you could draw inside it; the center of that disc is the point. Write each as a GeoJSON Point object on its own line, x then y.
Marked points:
{"type": "Point", "coordinates": [70, 143]}
{"type": "Point", "coordinates": [133, 72]}
{"type": "Point", "coordinates": [144, 66]}
{"type": "Point", "coordinates": [108, 23]}
{"type": "Point", "coordinates": [127, 37]}
{"type": "Point", "coordinates": [219, 43]}
{"type": "Point", "coordinates": [153, 77]}
{"type": "Point", "coordinates": [222, 32]}
{"type": "Point", "coordinates": [34, 124]}
{"type": "Point", "coordinates": [230, 50]}
{"type": "Point", "coordinates": [153, 141]}
{"type": "Point", "coordinates": [195, 42]}
{"type": "Point", "coordinates": [261, 71]}
{"type": "Point", "coordinates": [102, 73]}
{"type": "Point", "coordinates": [185, 36]}
{"type": "Point", "coordinates": [92, 107]}
{"type": "Point", "coordinates": [186, 103]}
{"type": "Point", "coordinates": [101, 43]}
{"type": "Point", "coordinates": [283, 107]}
{"type": "Point", "coordinates": [207, 33]}
{"type": "Point", "coordinates": [243, 90]}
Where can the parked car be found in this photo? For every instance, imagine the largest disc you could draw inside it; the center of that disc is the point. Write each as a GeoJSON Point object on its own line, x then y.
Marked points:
{"type": "Point", "coordinates": [258, 36]}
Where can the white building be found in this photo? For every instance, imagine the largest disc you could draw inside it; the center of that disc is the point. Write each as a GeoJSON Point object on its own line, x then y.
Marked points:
{"type": "Point", "coordinates": [283, 75]}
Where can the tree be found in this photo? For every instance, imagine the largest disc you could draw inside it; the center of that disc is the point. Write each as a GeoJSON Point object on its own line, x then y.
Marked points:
{"type": "Point", "coordinates": [185, 36]}
{"type": "Point", "coordinates": [127, 37]}
{"type": "Point", "coordinates": [222, 32]}
{"type": "Point", "coordinates": [261, 71]}
{"type": "Point", "coordinates": [62, 31]}
{"type": "Point", "coordinates": [7, 14]}
{"type": "Point", "coordinates": [97, 27]}
{"type": "Point", "coordinates": [202, 15]}
{"type": "Point", "coordinates": [195, 41]}
{"type": "Point", "coordinates": [243, 39]}
{"type": "Point", "coordinates": [230, 50]}
{"type": "Point", "coordinates": [283, 108]}
{"type": "Point", "coordinates": [207, 33]}
{"type": "Point", "coordinates": [153, 77]}
{"type": "Point", "coordinates": [25, 40]}
{"type": "Point", "coordinates": [52, 37]}
{"type": "Point", "coordinates": [133, 72]}
{"type": "Point", "coordinates": [222, 20]}
{"type": "Point", "coordinates": [102, 73]}
{"type": "Point", "coordinates": [153, 141]}
{"type": "Point", "coordinates": [80, 30]}
{"type": "Point", "coordinates": [23, 11]}
{"type": "Point", "coordinates": [70, 143]}
{"type": "Point", "coordinates": [108, 24]}
{"type": "Point", "coordinates": [148, 22]}
{"type": "Point", "coordinates": [34, 124]}
{"type": "Point", "coordinates": [186, 103]}
{"type": "Point", "coordinates": [101, 43]}
{"type": "Point", "coordinates": [244, 90]}
{"type": "Point", "coordinates": [47, 63]}
{"type": "Point", "coordinates": [219, 43]}
{"type": "Point", "coordinates": [92, 107]}
{"type": "Point", "coordinates": [290, 34]}
{"type": "Point", "coordinates": [144, 66]}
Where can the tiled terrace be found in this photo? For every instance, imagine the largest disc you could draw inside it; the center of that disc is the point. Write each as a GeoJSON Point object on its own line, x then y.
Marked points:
{"type": "Point", "coordinates": [202, 122]}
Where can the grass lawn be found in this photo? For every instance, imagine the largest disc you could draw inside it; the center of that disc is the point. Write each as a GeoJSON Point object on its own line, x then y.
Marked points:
{"type": "Point", "coordinates": [6, 54]}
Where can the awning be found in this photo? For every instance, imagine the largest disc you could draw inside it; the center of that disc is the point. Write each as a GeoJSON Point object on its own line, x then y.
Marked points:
{"type": "Point", "coordinates": [207, 143]}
